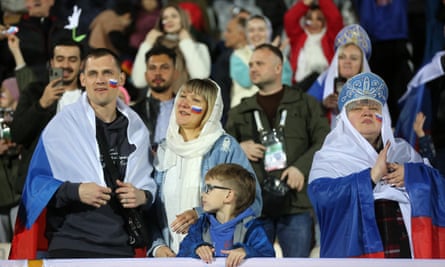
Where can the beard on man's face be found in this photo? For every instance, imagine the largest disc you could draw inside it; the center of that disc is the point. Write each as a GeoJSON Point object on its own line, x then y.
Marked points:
{"type": "Point", "coordinates": [159, 89]}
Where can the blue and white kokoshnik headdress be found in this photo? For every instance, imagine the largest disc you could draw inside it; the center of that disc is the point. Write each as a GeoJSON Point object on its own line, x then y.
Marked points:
{"type": "Point", "coordinates": [355, 34]}
{"type": "Point", "coordinates": [365, 85]}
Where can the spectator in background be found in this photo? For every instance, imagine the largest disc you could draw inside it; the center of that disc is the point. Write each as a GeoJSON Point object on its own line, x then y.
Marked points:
{"type": "Point", "coordinates": [173, 31]}
{"type": "Point", "coordinates": [426, 146]}
{"type": "Point", "coordinates": [110, 29]}
{"type": "Point", "coordinates": [434, 27]}
{"type": "Point", "coordinates": [279, 129]}
{"type": "Point", "coordinates": [274, 10]}
{"type": "Point", "coordinates": [311, 29]}
{"type": "Point", "coordinates": [386, 22]}
{"type": "Point", "coordinates": [258, 30]}
{"type": "Point", "coordinates": [40, 101]}
{"type": "Point", "coordinates": [234, 39]}
{"type": "Point", "coordinates": [9, 160]}
{"type": "Point", "coordinates": [156, 104]}
{"type": "Point", "coordinates": [147, 13]}
{"type": "Point", "coordinates": [352, 49]}
{"type": "Point", "coordinates": [426, 93]}
{"type": "Point", "coordinates": [38, 29]}
{"type": "Point", "coordinates": [228, 9]}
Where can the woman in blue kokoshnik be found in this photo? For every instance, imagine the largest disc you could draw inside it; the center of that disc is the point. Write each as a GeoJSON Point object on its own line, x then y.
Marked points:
{"type": "Point", "coordinates": [372, 193]}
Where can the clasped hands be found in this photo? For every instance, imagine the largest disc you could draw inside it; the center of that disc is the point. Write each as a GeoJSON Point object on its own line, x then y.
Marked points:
{"type": "Point", "coordinates": [390, 173]}
{"type": "Point", "coordinates": [97, 195]}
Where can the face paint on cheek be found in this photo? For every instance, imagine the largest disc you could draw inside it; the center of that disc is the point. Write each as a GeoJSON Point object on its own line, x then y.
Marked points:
{"type": "Point", "coordinates": [378, 117]}
{"type": "Point", "coordinates": [196, 109]}
{"type": "Point", "coordinates": [112, 83]}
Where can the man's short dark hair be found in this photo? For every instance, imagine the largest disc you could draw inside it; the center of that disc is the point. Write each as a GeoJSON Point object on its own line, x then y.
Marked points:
{"type": "Point", "coordinates": [100, 52]}
{"type": "Point", "coordinates": [271, 48]}
{"type": "Point", "coordinates": [158, 50]}
{"type": "Point", "coordinates": [68, 42]}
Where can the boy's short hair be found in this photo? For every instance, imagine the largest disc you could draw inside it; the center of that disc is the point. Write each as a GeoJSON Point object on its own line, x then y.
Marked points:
{"type": "Point", "coordinates": [238, 179]}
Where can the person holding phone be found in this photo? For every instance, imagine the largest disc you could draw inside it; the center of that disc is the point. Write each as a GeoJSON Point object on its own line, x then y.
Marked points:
{"type": "Point", "coordinates": [40, 101]}
{"type": "Point", "coordinates": [352, 51]}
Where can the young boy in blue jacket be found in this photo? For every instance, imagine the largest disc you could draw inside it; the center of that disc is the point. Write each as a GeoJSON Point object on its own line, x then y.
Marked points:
{"type": "Point", "coordinates": [228, 228]}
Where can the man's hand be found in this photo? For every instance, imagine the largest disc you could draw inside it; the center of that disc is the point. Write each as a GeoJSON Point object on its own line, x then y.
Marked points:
{"type": "Point", "coordinates": [235, 256]}
{"type": "Point", "coordinates": [164, 252]}
{"type": "Point", "coordinates": [94, 195]}
{"type": "Point", "coordinates": [253, 151]}
{"type": "Point", "coordinates": [295, 179]}
{"type": "Point", "coordinates": [205, 252]}
{"type": "Point", "coordinates": [51, 94]}
{"type": "Point", "coordinates": [130, 196]}
{"type": "Point", "coordinates": [183, 221]}
{"type": "Point", "coordinates": [3, 146]}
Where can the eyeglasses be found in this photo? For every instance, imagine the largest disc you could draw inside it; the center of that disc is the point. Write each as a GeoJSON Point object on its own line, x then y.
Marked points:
{"type": "Point", "coordinates": [208, 187]}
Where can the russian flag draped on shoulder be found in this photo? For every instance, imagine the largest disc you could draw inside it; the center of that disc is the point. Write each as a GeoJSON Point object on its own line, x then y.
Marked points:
{"type": "Point", "coordinates": [68, 151]}
{"type": "Point", "coordinates": [417, 99]}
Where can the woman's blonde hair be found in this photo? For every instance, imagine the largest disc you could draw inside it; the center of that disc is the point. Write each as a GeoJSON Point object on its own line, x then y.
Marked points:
{"type": "Point", "coordinates": [185, 21]}
{"type": "Point", "coordinates": [205, 88]}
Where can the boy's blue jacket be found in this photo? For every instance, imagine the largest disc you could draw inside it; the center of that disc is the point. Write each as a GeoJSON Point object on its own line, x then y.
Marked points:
{"type": "Point", "coordinates": [255, 241]}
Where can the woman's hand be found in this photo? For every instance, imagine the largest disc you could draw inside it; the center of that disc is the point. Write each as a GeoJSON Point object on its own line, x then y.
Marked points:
{"type": "Point", "coordinates": [183, 221]}
{"type": "Point", "coordinates": [164, 252]}
{"type": "Point", "coordinates": [396, 175]}
{"type": "Point", "coordinates": [152, 36]}
{"type": "Point", "coordinates": [184, 34]}
{"type": "Point", "coordinates": [380, 168]}
{"type": "Point", "coordinates": [331, 102]}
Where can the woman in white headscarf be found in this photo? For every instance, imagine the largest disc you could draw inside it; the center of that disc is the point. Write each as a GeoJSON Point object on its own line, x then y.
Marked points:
{"type": "Point", "coordinates": [195, 142]}
{"type": "Point", "coordinates": [258, 31]}
{"type": "Point", "coordinates": [373, 195]}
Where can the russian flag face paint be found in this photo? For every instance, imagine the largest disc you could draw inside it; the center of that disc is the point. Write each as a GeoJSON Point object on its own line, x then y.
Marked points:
{"type": "Point", "coordinates": [196, 109]}
{"type": "Point", "coordinates": [378, 117]}
{"type": "Point", "coordinates": [112, 83]}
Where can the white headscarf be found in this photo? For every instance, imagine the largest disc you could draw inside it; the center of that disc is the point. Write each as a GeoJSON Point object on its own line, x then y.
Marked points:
{"type": "Point", "coordinates": [211, 131]}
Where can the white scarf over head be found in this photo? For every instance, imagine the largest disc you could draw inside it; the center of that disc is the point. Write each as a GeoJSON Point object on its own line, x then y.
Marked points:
{"type": "Point", "coordinates": [345, 151]}
{"type": "Point", "coordinates": [182, 162]}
